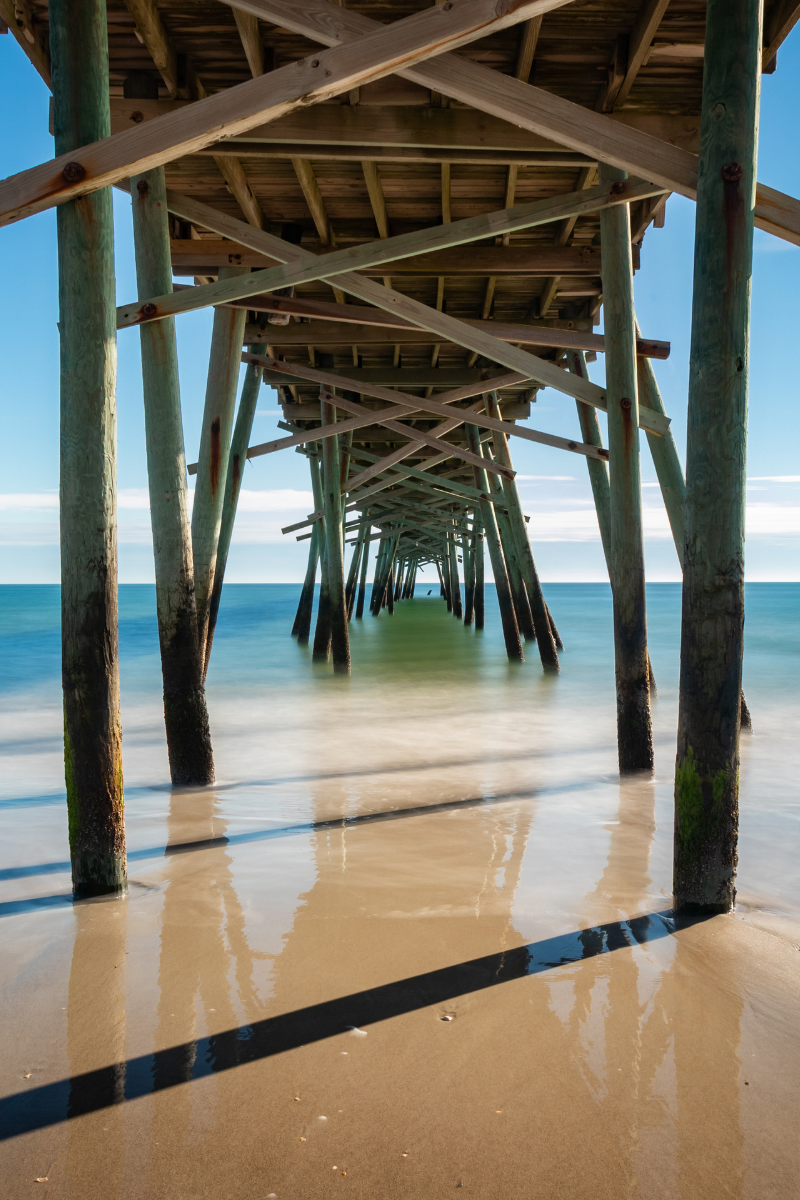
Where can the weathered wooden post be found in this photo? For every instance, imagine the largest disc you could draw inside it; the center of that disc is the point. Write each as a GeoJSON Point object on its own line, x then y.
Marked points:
{"type": "Point", "coordinates": [455, 585]}
{"type": "Point", "coordinates": [445, 561]}
{"type": "Point", "coordinates": [507, 613]}
{"type": "Point", "coordinates": [390, 589]}
{"type": "Point", "coordinates": [362, 586]}
{"type": "Point", "coordinates": [334, 548]}
{"type": "Point", "coordinates": [191, 759]}
{"type": "Point", "coordinates": [539, 612]}
{"type": "Point", "coordinates": [664, 453]}
{"type": "Point", "coordinates": [707, 768]}
{"type": "Point", "coordinates": [479, 600]}
{"type": "Point", "coordinates": [469, 578]}
{"type": "Point", "coordinates": [352, 577]}
{"type": "Point", "coordinates": [233, 483]}
{"type": "Point", "coordinates": [512, 558]}
{"type": "Point", "coordinates": [87, 325]}
{"type": "Point", "coordinates": [598, 470]}
{"type": "Point", "coordinates": [380, 558]}
{"type": "Point", "coordinates": [302, 621]}
{"type": "Point", "coordinates": [634, 732]}
{"type": "Point", "coordinates": [215, 441]}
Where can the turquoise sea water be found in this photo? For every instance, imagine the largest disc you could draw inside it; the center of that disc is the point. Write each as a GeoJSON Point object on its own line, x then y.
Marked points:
{"type": "Point", "coordinates": [425, 695]}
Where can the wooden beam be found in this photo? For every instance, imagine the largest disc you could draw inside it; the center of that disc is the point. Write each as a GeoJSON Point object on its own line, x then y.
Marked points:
{"type": "Point", "coordinates": [403, 405]}
{"type": "Point", "coordinates": [539, 112]}
{"type": "Point", "coordinates": [29, 34]}
{"type": "Point", "coordinates": [529, 36]}
{"type": "Point", "coordinates": [456, 331]}
{"type": "Point", "coordinates": [529, 261]}
{"type": "Point", "coordinates": [419, 437]}
{"type": "Point", "coordinates": [376, 198]}
{"type": "Point", "coordinates": [371, 320]}
{"type": "Point", "coordinates": [417, 405]}
{"type": "Point", "coordinates": [247, 25]}
{"type": "Point", "coordinates": [322, 75]}
{"type": "Point", "coordinates": [405, 131]}
{"type": "Point", "coordinates": [233, 173]}
{"type": "Point", "coordinates": [377, 254]}
{"type": "Point", "coordinates": [778, 24]}
{"type": "Point", "coordinates": [150, 27]}
{"type": "Point", "coordinates": [647, 22]}
{"type": "Point", "coordinates": [154, 35]}
{"type": "Point", "coordinates": [313, 196]}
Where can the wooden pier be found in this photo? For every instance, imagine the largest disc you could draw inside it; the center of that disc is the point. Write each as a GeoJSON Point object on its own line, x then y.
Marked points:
{"type": "Point", "coordinates": [408, 218]}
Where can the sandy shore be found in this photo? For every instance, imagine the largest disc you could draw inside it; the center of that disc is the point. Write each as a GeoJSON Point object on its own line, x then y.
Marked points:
{"type": "Point", "coordinates": [491, 919]}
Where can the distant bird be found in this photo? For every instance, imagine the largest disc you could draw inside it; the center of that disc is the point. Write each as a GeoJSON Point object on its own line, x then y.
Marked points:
{"type": "Point", "coordinates": [429, 593]}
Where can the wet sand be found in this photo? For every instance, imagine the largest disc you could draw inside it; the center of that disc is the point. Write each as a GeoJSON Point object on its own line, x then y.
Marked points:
{"type": "Point", "coordinates": [492, 917]}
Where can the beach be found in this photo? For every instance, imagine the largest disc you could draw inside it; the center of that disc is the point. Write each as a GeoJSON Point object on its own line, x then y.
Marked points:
{"type": "Point", "coordinates": [418, 937]}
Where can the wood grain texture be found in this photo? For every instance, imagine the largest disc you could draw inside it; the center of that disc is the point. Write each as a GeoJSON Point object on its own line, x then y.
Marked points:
{"type": "Point", "coordinates": [240, 108]}
{"type": "Point", "coordinates": [541, 113]}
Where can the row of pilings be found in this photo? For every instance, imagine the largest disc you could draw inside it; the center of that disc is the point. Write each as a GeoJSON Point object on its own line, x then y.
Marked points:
{"type": "Point", "coordinates": [190, 562]}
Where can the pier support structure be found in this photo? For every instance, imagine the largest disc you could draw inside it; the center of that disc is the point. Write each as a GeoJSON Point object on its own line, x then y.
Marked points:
{"type": "Point", "coordinates": [634, 732]}
{"type": "Point", "coordinates": [186, 718]}
{"type": "Point", "coordinates": [707, 766]}
{"type": "Point", "coordinates": [87, 325]}
{"type": "Point", "coordinates": [215, 442]}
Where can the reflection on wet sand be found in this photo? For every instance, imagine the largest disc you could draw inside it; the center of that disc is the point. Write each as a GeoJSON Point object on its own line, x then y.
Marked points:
{"type": "Point", "coordinates": [403, 985]}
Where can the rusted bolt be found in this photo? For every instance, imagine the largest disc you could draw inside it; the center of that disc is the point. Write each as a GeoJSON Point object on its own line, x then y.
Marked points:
{"type": "Point", "coordinates": [731, 172]}
{"type": "Point", "coordinates": [143, 187]}
{"type": "Point", "coordinates": [572, 445]}
{"type": "Point", "coordinates": [73, 172]}
{"type": "Point", "coordinates": [149, 310]}
{"type": "Point", "coordinates": [625, 402]}
{"type": "Point", "coordinates": [137, 117]}
{"type": "Point", "coordinates": [618, 188]}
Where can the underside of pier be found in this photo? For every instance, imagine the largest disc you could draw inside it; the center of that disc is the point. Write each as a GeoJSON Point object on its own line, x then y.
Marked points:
{"type": "Point", "coordinates": [408, 218]}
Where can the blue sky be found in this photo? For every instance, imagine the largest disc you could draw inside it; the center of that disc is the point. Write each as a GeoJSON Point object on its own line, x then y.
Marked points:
{"type": "Point", "coordinates": [553, 484]}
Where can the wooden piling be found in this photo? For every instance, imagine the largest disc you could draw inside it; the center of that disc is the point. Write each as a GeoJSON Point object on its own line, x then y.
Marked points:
{"type": "Point", "coordinates": [469, 579]}
{"type": "Point", "coordinates": [189, 748]}
{"type": "Point", "coordinates": [390, 590]}
{"type": "Point", "coordinates": [376, 597]}
{"type": "Point", "coordinates": [664, 453]}
{"type": "Point", "coordinates": [548, 650]}
{"type": "Point", "coordinates": [362, 587]}
{"type": "Point", "coordinates": [707, 767]}
{"type": "Point", "coordinates": [302, 621]}
{"type": "Point", "coordinates": [87, 324]}
{"type": "Point", "coordinates": [215, 440]}
{"type": "Point", "coordinates": [455, 585]}
{"type": "Point", "coordinates": [634, 732]}
{"type": "Point", "coordinates": [504, 599]}
{"type": "Point", "coordinates": [352, 575]}
{"type": "Point", "coordinates": [479, 573]}
{"type": "Point", "coordinates": [92, 736]}
{"type": "Point", "coordinates": [233, 483]}
{"type": "Point", "coordinates": [598, 470]}
{"type": "Point", "coordinates": [334, 549]}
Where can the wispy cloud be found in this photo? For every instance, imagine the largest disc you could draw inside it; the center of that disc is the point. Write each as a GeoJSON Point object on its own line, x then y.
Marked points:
{"type": "Point", "coordinates": [20, 501]}
{"type": "Point", "coordinates": [773, 478]}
